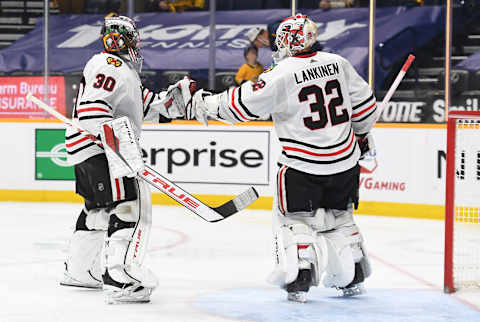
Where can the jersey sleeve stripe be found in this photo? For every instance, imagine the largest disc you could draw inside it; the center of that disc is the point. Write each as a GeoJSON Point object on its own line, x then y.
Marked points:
{"type": "Point", "coordinates": [145, 96]}
{"type": "Point", "coordinates": [365, 110]}
{"type": "Point", "coordinates": [82, 118]}
{"type": "Point", "coordinates": [81, 148]}
{"type": "Point", "coordinates": [235, 107]}
{"type": "Point", "coordinates": [352, 140]}
{"type": "Point", "coordinates": [316, 146]}
{"type": "Point", "coordinates": [93, 109]}
{"type": "Point", "coordinates": [97, 102]}
{"type": "Point", "coordinates": [365, 117]}
{"type": "Point", "coordinates": [69, 145]}
{"type": "Point", "coordinates": [72, 136]}
{"type": "Point", "coordinates": [243, 105]}
{"type": "Point", "coordinates": [235, 115]}
{"type": "Point", "coordinates": [363, 103]}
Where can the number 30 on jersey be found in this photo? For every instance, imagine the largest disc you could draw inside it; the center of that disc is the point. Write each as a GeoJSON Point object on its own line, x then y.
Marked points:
{"type": "Point", "coordinates": [107, 83]}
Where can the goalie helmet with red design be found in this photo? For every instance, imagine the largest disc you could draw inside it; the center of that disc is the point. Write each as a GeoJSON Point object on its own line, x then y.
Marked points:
{"type": "Point", "coordinates": [120, 36]}
{"type": "Point", "coordinates": [296, 34]}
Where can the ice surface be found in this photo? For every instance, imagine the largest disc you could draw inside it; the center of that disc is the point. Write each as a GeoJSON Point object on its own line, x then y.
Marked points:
{"type": "Point", "coordinates": [216, 272]}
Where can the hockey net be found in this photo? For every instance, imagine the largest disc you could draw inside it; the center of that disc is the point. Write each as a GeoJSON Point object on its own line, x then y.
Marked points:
{"type": "Point", "coordinates": [462, 206]}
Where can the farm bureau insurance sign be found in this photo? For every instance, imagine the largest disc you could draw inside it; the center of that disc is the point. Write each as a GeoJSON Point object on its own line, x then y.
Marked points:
{"type": "Point", "coordinates": [13, 103]}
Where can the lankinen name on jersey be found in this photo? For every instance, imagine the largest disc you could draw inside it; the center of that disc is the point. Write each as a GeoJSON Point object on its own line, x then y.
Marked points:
{"type": "Point", "coordinates": [316, 72]}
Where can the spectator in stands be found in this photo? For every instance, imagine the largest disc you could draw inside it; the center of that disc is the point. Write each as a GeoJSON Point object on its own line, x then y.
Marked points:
{"type": "Point", "coordinates": [174, 5]}
{"type": "Point", "coordinates": [258, 37]}
{"type": "Point", "coordinates": [251, 69]}
{"type": "Point", "coordinates": [329, 4]}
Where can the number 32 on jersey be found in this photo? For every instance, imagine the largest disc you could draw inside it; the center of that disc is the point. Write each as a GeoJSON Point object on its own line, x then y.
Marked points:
{"type": "Point", "coordinates": [324, 113]}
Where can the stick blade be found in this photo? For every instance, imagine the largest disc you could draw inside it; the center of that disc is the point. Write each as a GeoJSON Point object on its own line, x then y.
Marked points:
{"type": "Point", "coordinates": [238, 203]}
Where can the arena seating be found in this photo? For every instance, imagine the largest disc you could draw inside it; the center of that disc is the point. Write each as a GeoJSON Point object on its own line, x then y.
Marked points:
{"type": "Point", "coordinates": [17, 18]}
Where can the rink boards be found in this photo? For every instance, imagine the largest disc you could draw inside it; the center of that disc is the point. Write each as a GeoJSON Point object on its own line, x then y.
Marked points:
{"type": "Point", "coordinates": [219, 161]}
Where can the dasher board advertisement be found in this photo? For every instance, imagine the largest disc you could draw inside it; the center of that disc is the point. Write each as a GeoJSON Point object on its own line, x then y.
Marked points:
{"type": "Point", "coordinates": [209, 156]}
{"type": "Point", "coordinates": [13, 92]}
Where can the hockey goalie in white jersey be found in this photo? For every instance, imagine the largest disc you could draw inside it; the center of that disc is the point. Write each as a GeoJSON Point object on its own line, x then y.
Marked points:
{"type": "Point", "coordinates": [322, 112]}
{"type": "Point", "coordinates": [117, 213]}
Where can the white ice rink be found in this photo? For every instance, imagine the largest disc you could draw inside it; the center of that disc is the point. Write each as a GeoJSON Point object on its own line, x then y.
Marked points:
{"type": "Point", "coordinates": [216, 272]}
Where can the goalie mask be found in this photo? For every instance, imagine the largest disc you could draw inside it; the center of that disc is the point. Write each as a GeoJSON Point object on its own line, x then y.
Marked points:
{"type": "Point", "coordinates": [295, 34]}
{"type": "Point", "coordinates": [120, 36]}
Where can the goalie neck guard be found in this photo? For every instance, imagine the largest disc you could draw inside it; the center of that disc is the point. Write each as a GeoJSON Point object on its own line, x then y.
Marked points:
{"type": "Point", "coordinates": [120, 36]}
{"type": "Point", "coordinates": [296, 34]}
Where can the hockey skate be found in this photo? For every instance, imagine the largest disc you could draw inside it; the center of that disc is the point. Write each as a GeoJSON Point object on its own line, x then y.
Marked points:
{"type": "Point", "coordinates": [132, 292]}
{"type": "Point", "coordinates": [355, 287]}
{"type": "Point", "coordinates": [297, 290]}
{"type": "Point", "coordinates": [129, 294]}
{"type": "Point", "coordinates": [352, 290]}
{"type": "Point", "coordinates": [69, 280]}
{"type": "Point", "coordinates": [300, 297]}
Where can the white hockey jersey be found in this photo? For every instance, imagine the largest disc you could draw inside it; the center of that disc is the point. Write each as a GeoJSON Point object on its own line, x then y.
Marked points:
{"type": "Point", "coordinates": [110, 88]}
{"type": "Point", "coordinates": [318, 103]}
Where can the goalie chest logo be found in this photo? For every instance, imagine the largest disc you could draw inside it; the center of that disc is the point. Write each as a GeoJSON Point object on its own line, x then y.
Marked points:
{"type": "Point", "coordinates": [114, 61]}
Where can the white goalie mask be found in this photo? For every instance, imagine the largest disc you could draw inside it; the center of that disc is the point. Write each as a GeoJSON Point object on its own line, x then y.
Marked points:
{"type": "Point", "coordinates": [294, 35]}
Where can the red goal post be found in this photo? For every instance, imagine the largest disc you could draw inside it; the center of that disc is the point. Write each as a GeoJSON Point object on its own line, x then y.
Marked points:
{"type": "Point", "coordinates": [462, 201]}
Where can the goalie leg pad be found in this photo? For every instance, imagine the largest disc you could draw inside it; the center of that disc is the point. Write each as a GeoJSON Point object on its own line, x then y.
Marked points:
{"type": "Point", "coordinates": [296, 249]}
{"type": "Point", "coordinates": [348, 262]}
{"type": "Point", "coordinates": [125, 248]}
{"type": "Point", "coordinates": [83, 263]}
{"type": "Point", "coordinates": [340, 269]}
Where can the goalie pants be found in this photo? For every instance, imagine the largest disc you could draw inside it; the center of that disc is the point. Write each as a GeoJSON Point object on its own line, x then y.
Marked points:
{"type": "Point", "coordinates": [93, 183]}
{"type": "Point", "coordinates": [303, 192]}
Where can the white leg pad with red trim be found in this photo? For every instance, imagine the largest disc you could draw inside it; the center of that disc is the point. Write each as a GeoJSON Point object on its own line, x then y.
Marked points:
{"type": "Point", "coordinates": [125, 249]}
{"type": "Point", "coordinates": [338, 246]}
{"type": "Point", "coordinates": [345, 247]}
{"type": "Point", "coordinates": [297, 247]}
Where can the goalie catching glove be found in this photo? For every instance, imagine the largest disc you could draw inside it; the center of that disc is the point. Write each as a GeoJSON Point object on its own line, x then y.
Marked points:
{"type": "Point", "coordinates": [174, 102]}
{"type": "Point", "coordinates": [206, 105]}
{"type": "Point", "coordinates": [199, 110]}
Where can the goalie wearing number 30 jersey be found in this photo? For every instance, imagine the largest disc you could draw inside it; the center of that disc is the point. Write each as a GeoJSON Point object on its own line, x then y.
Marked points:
{"type": "Point", "coordinates": [322, 112]}
{"type": "Point", "coordinates": [117, 211]}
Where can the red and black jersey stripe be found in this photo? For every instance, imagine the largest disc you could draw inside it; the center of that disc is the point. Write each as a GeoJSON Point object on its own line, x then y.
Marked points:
{"type": "Point", "coordinates": [356, 107]}
{"type": "Point", "coordinates": [311, 153]}
{"type": "Point", "coordinates": [240, 107]}
{"type": "Point", "coordinates": [98, 109]}
{"type": "Point", "coordinates": [316, 146]}
{"type": "Point", "coordinates": [364, 110]}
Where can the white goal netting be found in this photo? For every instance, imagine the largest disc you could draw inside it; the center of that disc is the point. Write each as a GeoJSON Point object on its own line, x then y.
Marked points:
{"type": "Point", "coordinates": [466, 230]}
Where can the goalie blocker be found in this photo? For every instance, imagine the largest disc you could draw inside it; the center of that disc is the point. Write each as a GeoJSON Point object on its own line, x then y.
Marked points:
{"type": "Point", "coordinates": [102, 179]}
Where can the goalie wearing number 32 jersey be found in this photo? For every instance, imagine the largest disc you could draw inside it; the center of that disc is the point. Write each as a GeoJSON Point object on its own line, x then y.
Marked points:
{"type": "Point", "coordinates": [322, 111]}
{"type": "Point", "coordinates": [116, 216]}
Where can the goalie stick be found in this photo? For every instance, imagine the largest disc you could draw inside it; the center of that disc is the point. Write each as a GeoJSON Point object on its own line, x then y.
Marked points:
{"type": "Point", "coordinates": [210, 214]}
{"type": "Point", "coordinates": [395, 84]}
